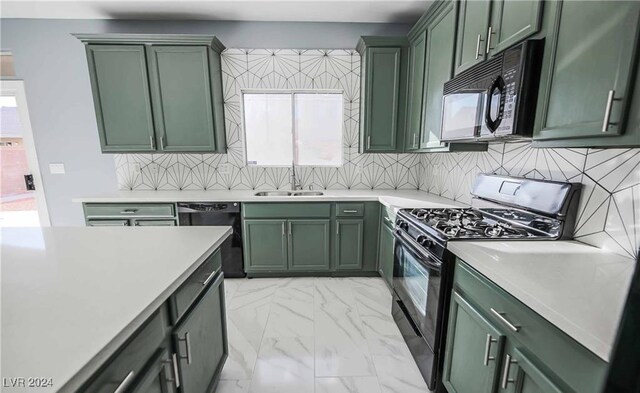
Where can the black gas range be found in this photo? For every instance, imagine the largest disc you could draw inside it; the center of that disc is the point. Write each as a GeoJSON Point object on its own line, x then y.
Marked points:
{"type": "Point", "coordinates": [504, 209]}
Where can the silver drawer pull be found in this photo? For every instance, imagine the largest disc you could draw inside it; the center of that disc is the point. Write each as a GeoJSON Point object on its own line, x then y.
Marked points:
{"type": "Point", "coordinates": [209, 278]}
{"type": "Point", "coordinates": [478, 46]}
{"type": "Point", "coordinates": [129, 211]}
{"type": "Point", "coordinates": [489, 34]}
{"type": "Point", "coordinates": [504, 320]}
{"type": "Point", "coordinates": [125, 383]}
{"type": "Point", "coordinates": [187, 341]}
{"type": "Point", "coordinates": [349, 211]}
{"type": "Point", "coordinates": [174, 370]}
{"type": "Point", "coordinates": [487, 350]}
{"type": "Point", "coordinates": [508, 361]}
{"type": "Point", "coordinates": [387, 219]}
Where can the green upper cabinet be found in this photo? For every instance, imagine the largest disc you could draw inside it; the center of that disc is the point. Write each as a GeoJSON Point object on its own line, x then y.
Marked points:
{"type": "Point", "coordinates": [182, 99]}
{"type": "Point", "coordinates": [120, 86]}
{"type": "Point", "coordinates": [417, 51]}
{"type": "Point", "coordinates": [512, 22]}
{"type": "Point", "coordinates": [309, 245]}
{"type": "Point", "coordinates": [486, 27]}
{"type": "Point", "coordinates": [157, 93]}
{"type": "Point", "coordinates": [265, 245]}
{"type": "Point", "coordinates": [473, 24]}
{"type": "Point", "coordinates": [383, 89]}
{"type": "Point", "coordinates": [587, 76]}
{"type": "Point", "coordinates": [349, 243]}
{"type": "Point", "coordinates": [473, 349]}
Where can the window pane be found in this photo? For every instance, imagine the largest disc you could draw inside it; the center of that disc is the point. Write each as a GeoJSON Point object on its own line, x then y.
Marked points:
{"type": "Point", "coordinates": [267, 122]}
{"type": "Point", "coordinates": [318, 129]}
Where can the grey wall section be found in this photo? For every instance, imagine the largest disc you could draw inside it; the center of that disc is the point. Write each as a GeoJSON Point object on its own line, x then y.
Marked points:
{"type": "Point", "coordinates": [53, 65]}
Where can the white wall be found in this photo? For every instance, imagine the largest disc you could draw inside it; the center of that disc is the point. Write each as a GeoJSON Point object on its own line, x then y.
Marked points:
{"type": "Point", "coordinates": [53, 65]}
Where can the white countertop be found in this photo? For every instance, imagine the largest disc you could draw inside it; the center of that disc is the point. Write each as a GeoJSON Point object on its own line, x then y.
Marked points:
{"type": "Point", "coordinates": [578, 288]}
{"type": "Point", "coordinates": [71, 296]}
{"type": "Point", "coordinates": [391, 198]}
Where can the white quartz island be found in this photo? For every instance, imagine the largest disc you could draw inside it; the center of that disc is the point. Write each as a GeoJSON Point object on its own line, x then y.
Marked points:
{"type": "Point", "coordinates": [71, 296]}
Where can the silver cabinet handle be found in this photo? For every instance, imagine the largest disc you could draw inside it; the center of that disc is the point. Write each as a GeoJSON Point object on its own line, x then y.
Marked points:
{"type": "Point", "coordinates": [162, 142]}
{"type": "Point", "coordinates": [478, 46]}
{"type": "Point", "coordinates": [209, 278]}
{"type": "Point", "coordinates": [187, 342]}
{"type": "Point", "coordinates": [387, 219]}
{"type": "Point", "coordinates": [487, 350]}
{"type": "Point", "coordinates": [504, 320]}
{"type": "Point", "coordinates": [174, 370]}
{"type": "Point", "coordinates": [152, 141]}
{"type": "Point", "coordinates": [125, 383]}
{"type": "Point", "coordinates": [607, 111]}
{"type": "Point", "coordinates": [414, 140]}
{"type": "Point", "coordinates": [349, 211]}
{"type": "Point", "coordinates": [489, 39]}
{"type": "Point", "coordinates": [283, 228]}
{"type": "Point", "coordinates": [337, 228]}
{"type": "Point", "coordinates": [129, 211]}
{"type": "Point", "coordinates": [368, 141]}
{"type": "Point", "coordinates": [508, 361]}
{"type": "Point", "coordinates": [289, 228]}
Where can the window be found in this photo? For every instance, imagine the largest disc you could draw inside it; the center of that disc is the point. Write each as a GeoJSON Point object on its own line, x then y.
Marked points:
{"type": "Point", "coordinates": [300, 127]}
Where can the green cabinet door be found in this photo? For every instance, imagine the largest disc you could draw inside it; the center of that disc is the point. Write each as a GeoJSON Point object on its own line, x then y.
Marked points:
{"type": "Point", "coordinates": [385, 254]}
{"type": "Point", "coordinates": [200, 341]}
{"type": "Point", "coordinates": [120, 86]}
{"type": "Point", "coordinates": [349, 239]}
{"type": "Point", "coordinates": [439, 69]}
{"type": "Point", "coordinates": [265, 245]}
{"type": "Point", "coordinates": [417, 49]}
{"type": "Point", "coordinates": [473, 25]}
{"type": "Point", "coordinates": [158, 377]}
{"type": "Point", "coordinates": [585, 87]}
{"type": "Point", "coordinates": [473, 345]}
{"type": "Point", "coordinates": [381, 96]}
{"type": "Point", "coordinates": [309, 245]}
{"type": "Point", "coordinates": [519, 374]}
{"type": "Point", "coordinates": [182, 98]}
{"type": "Point", "coordinates": [512, 22]}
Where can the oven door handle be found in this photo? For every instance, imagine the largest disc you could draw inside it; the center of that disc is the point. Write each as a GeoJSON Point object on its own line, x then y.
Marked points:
{"type": "Point", "coordinates": [414, 248]}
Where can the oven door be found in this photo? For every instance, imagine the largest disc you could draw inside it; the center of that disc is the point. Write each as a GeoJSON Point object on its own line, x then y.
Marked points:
{"type": "Point", "coordinates": [463, 114]}
{"type": "Point", "coordinates": [416, 281]}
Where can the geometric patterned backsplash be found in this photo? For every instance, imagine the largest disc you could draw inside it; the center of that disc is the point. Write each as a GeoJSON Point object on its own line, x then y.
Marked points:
{"type": "Point", "coordinates": [609, 213]}
{"type": "Point", "coordinates": [275, 69]}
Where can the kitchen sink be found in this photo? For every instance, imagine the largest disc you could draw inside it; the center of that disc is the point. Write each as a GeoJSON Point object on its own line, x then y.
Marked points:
{"type": "Point", "coordinates": [273, 193]}
{"type": "Point", "coordinates": [308, 193]}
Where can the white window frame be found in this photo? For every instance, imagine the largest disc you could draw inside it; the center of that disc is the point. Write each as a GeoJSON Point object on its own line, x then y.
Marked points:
{"type": "Point", "coordinates": [292, 92]}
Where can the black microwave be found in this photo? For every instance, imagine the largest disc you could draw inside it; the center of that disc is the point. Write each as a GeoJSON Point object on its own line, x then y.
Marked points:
{"type": "Point", "coordinates": [494, 99]}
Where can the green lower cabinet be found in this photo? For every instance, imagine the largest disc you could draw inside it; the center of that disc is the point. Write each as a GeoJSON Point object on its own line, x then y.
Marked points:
{"type": "Point", "coordinates": [157, 378]}
{"type": "Point", "coordinates": [386, 253]}
{"type": "Point", "coordinates": [473, 345]}
{"type": "Point", "coordinates": [200, 342]}
{"type": "Point", "coordinates": [349, 239]}
{"type": "Point", "coordinates": [309, 245]}
{"type": "Point", "coordinates": [521, 375]}
{"type": "Point", "coordinates": [265, 245]}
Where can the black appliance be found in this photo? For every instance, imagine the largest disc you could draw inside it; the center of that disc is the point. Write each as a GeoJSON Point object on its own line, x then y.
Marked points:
{"type": "Point", "coordinates": [218, 214]}
{"type": "Point", "coordinates": [507, 208]}
{"type": "Point", "coordinates": [494, 99]}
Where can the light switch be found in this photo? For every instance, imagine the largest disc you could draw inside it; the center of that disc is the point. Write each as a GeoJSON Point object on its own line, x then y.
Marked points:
{"type": "Point", "coordinates": [56, 169]}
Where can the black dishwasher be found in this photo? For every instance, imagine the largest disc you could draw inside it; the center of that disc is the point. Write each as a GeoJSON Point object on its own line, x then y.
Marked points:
{"type": "Point", "coordinates": [218, 214]}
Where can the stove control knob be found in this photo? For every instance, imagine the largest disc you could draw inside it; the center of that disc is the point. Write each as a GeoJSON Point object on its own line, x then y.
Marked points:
{"type": "Point", "coordinates": [402, 225]}
{"type": "Point", "coordinates": [424, 241]}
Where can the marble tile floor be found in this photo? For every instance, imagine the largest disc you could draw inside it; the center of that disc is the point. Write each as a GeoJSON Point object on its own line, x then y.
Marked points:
{"type": "Point", "coordinates": [315, 335]}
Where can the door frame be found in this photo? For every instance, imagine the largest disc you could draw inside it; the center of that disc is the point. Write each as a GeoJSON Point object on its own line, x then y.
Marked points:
{"type": "Point", "coordinates": [15, 88]}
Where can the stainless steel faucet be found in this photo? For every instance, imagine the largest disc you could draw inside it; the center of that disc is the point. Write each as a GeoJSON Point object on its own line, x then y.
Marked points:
{"type": "Point", "coordinates": [295, 183]}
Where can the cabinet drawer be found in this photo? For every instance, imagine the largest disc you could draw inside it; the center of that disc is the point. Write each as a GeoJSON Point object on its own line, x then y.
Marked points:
{"type": "Point", "coordinates": [128, 363]}
{"type": "Point", "coordinates": [93, 210]}
{"type": "Point", "coordinates": [155, 223]}
{"type": "Point", "coordinates": [107, 223]}
{"type": "Point", "coordinates": [286, 210]}
{"type": "Point", "coordinates": [195, 284]}
{"type": "Point", "coordinates": [572, 363]}
{"type": "Point", "coordinates": [349, 209]}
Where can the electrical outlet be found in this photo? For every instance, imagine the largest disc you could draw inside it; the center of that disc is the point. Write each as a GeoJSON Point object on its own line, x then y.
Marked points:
{"type": "Point", "coordinates": [223, 169]}
{"type": "Point", "coordinates": [56, 168]}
